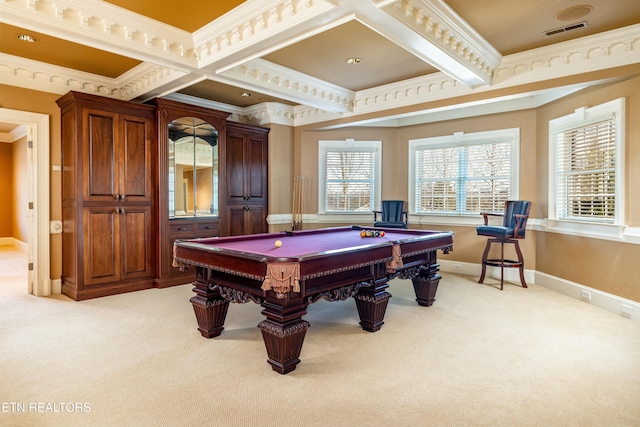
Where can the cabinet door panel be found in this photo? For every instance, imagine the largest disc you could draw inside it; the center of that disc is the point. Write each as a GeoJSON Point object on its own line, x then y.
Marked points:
{"type": "Point", "coordinates": [136, 157]}
{"type": "Point", "coordinates": [100, 175]}
{"type": "Point", "coordinates": [235, 168]}
{"type": "Point", "coordinates": [101, 245]}
{"type": "Point", "coordinates": [236, 220]}
{"type": "Point", "coordinates": [256, 169]}
{"type": "Point", "coordinates": [136, 245]}
{"type": "Point", "coordinates": [256, 220]}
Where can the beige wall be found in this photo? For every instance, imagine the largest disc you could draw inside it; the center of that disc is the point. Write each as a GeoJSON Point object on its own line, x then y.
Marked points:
{"type": "Point", "coordinates": [605, 265]}
{"type": "Point", "coordinates": [550, 253]}
{"type": "Point", "coordinates": [600, 264]}
{"type": "Point", "coordinates": [6, 189]}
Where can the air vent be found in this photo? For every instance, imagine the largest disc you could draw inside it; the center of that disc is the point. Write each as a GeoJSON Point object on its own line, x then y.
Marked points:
{"type": "Point", "coordinates": [565, 29]}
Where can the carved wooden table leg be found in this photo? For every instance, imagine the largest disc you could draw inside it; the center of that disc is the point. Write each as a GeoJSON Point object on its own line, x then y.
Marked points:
{"type": "Point", "coordinates": [283, 332]}
{"type": "Point", "coordinates": [372, 304]}
{"type": "Point", "coordinates": [209, 306]}
{"type": "Point", "coordinates": [425, 284]}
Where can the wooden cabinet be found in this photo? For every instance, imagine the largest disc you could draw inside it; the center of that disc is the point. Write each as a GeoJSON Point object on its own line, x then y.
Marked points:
{"type": "Point", "coordinates": [173, 227]}
{"type": "Point", "coordinates": [108, 205]}
{"type": "Point", "coordinates": [246, 179]}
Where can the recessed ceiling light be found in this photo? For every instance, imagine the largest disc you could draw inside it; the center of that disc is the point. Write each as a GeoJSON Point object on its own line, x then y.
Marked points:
{"type": "Point", "coordinates": [246, 94]}
{"type": "Point", "coordinates": [26, 38]}
{"type": "Point", "coordinates": [353, 60]}
{"type": "Point", "coordinates": [573, 13]}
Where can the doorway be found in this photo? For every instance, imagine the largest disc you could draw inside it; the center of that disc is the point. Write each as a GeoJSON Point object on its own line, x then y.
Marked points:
{"type": "Point", "coordinates": [38, 165]}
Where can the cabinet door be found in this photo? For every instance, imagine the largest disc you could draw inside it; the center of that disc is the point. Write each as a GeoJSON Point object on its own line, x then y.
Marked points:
{"type": "Point", "coordinates": [134, 153]}
{"type": "Point", "coordinates": [99, 151]}
{"type": "Point", "coordinates": [247, 219]}
{"type": "Point", "coordinates": [101, 245]}
{"type": "Point", "coordinates": [137, 248]}
{"type": "Point", "coordinates": [236, 220]}
{"type": "Point", "coordinates": [246, 168]}
{"type": "Point", "coordinates": [256, 219]}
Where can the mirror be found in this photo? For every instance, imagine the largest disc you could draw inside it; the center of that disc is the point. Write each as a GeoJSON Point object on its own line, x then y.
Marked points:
{"type": "Point", "coordinates": [193, 168]}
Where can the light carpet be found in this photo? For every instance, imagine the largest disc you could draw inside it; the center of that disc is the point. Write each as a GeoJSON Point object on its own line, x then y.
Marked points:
{"type": "Point", "coordinates": [477, 357]}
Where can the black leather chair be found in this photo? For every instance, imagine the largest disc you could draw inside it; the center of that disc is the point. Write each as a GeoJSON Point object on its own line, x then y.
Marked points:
{"type": "Point", "coordinates": [392, 215]}
{"type": "Point", "coordinates": [513, 228]}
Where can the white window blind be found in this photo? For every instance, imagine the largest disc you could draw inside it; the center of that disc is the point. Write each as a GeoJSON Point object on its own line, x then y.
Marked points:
{"type": "Point", "coordinates": [349, 180]}
{"type": "Point", "coordinates": [461, 179]}
{"type": "Point", "coordinates": [586, 172]}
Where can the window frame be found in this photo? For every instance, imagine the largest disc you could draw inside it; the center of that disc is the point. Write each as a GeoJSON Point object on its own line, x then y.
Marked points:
{"type": "Point", "coordinates": [348, 145]}
{"type": "Point", "coordinates": [459, 139]}
{"type": "Point", "coordinates": [581, 117]}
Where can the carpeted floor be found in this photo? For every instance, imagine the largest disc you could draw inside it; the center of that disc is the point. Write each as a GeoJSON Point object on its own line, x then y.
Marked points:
{"type": "Point", "coordinates": [477, 357]}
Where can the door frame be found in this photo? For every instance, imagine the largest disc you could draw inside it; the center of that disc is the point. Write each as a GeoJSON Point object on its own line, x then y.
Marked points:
{"type": "Point", "coordinates": [38, 164]}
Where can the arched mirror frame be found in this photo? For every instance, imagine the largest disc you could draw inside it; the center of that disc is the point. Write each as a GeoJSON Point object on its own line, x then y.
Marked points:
{"type": "Point", "coordinates": [193, 168]}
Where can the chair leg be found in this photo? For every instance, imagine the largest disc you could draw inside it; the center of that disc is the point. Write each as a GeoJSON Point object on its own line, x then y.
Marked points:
{"type": "Point", "coordinates": [501, 266]}
{"type": "Point", "coordinates": [484, 259]}
{"type": "Point", "coordinates": [521, 267]}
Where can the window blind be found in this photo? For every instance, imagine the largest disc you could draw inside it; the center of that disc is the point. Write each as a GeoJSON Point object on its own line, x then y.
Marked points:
{"type": "Point", "coordinates": [586, 172]}
{"type": "Point", "coordinates": [349, 180]}
{"type": "Point", "coordinates": [463, 179]}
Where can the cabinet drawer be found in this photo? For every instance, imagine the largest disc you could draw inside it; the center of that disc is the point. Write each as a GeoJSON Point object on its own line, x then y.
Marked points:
{"type": "Point", "coordinates": [207, 229]}
{"type": "Point", "coordinates": [184, 230]}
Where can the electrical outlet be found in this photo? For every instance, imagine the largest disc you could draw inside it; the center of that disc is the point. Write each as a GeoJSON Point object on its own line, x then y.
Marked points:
{"type": "Point", "coordinates": [585, 295]}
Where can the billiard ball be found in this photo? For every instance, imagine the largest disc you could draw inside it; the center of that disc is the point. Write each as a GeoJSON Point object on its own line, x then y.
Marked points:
{"type": "Point", "coordinates": [278, 243]}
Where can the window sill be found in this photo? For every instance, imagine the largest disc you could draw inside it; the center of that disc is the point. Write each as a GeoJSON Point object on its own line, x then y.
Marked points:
{"type": "Point", "coordinates": [619, 233]}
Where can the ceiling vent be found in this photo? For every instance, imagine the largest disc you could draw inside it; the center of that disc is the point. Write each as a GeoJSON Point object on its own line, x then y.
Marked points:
{"type": "Point", "coordinates": [566, 28]}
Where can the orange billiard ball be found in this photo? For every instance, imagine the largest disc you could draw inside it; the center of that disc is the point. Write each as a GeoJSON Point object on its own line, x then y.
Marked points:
{"type": "Point", "coordinates": [278, 243]}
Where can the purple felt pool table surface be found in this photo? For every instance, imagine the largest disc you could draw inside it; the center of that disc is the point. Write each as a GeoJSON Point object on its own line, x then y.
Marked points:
{"type": "Point", "coordinates": [330, 263]}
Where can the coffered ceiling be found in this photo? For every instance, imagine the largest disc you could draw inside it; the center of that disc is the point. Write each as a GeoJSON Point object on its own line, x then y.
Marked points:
{"type": "Point", "coordinates": [297, 53]}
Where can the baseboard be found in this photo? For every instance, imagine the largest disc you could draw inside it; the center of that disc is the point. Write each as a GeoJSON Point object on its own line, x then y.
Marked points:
{"type": "Point", "coordinates": [613, 303]}
{"type": "Point", "coordinates": [56, 286]}
{"type": "Point", "coordinates": [609, 302]}
{"type": "Point", "coordinates": [12, 241]}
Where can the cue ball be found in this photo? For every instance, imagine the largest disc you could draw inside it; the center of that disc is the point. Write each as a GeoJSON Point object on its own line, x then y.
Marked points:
{"type": "Point", "coordinates": [278, 243]}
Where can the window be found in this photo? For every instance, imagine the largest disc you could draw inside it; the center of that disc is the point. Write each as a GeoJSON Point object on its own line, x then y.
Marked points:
{"type": "Point", "coordinates": [463, 173]}
{"type": "Point", "coordinates": [349, 175]}
{"type": "Point", "coordinates": [586, 150]}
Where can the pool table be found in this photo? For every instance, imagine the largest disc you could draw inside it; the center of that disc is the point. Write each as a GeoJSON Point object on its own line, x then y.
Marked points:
{"type": "Point", "coordinates": [304, 266]}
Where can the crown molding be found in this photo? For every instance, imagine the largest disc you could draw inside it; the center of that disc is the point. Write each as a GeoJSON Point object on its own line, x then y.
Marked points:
{"type": "Point", "coordinates": [272, 79]}
{"type": "Point", "coordinates": [35, 75]}
{"type": "Point", "coordinates": [610, 49]}
{"type": "Point", "coordinates": [447, 41]}
{"type": "Point", "coordinates": [254, 27]}
{"type": "Point", "coordinates": [101, 25]}
{"type": "Point", "coordinates": [15, 134]}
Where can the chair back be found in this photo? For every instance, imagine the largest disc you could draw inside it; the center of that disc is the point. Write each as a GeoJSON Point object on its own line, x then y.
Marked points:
{"type": "Point", "coordinates": [392, 210]}
{"type": "Point", "coordinates": [511, 209]}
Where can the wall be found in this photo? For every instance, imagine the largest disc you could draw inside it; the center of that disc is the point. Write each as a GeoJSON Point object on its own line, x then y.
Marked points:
{"type": "Point", "coordinates": [601, 264]}
{"type": "Point", "coordinates": [6, 189]}
{"type": "Point", "coordinates": [604, 265]}
{"type": "Point", "coordinates": [468, 246]}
